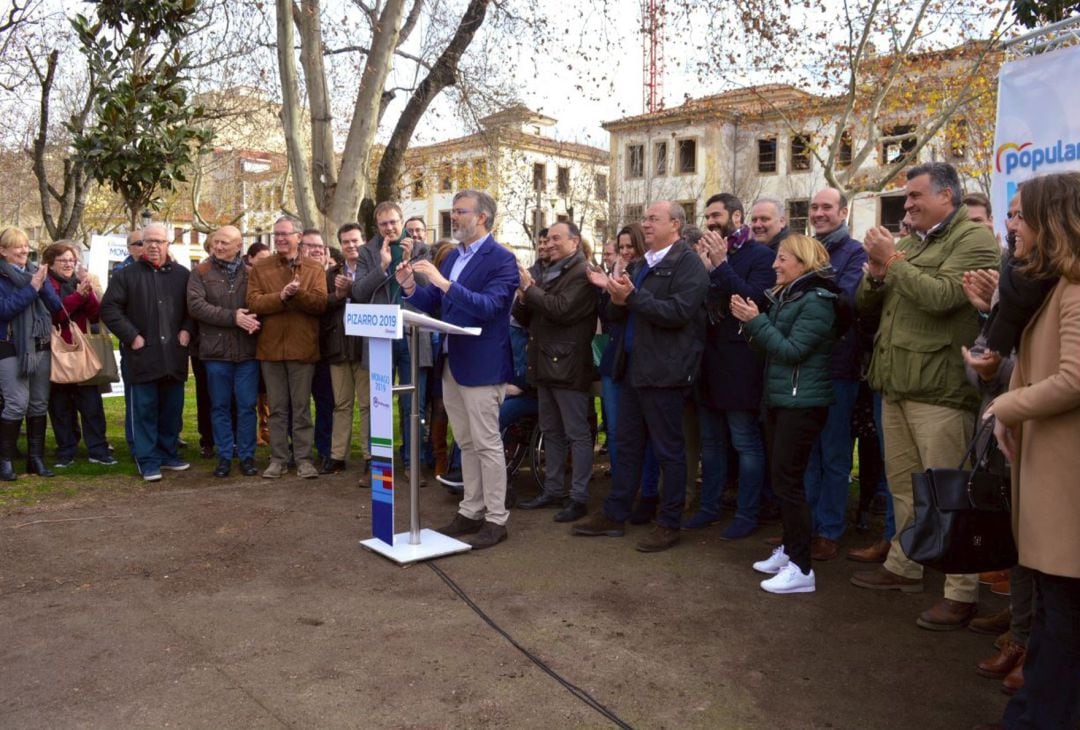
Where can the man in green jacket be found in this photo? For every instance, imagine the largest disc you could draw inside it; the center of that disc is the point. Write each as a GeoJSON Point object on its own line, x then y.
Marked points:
{"type": "Point", "coordinates": [928, 410]}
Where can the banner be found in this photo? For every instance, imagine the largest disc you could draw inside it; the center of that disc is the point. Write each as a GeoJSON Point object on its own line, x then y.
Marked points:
{"type": "Point", "coordinates": [1038, 123]}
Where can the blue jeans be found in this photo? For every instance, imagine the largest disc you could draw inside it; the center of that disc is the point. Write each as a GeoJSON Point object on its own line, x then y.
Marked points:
{"type": "Point", "coordinates": [516, 407]}
{"type": "Point", "coordinates": [609, 398]}
{"type": "Point", "coordinates": [745, 433]}
{"type": "Point", "coordinates": [890, 516]}
{"type": "Point", "coordinates": [226, 381]}
{"type": "Point", "coordinates": [828, 475]}
{"type": "Point", "coordinates": [157, 414]}
{"type": "Point", "coordinates": [128, 435]}
{"type": "Point", "coordinates": [654, 416]}
{"type": "Point", "coordinates": [403, 370]}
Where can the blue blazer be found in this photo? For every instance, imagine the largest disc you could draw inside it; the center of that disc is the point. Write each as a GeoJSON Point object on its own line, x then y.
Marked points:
{"type": "Point", "coordinates": [481, 297]}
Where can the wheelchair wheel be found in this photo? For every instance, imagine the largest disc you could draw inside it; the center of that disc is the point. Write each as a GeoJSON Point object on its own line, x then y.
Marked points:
{"type": "Point", "coordinates": [537, 457]}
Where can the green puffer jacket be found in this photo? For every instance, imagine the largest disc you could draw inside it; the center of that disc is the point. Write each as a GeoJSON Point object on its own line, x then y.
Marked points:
{"type": "Point", "coordinates": [797, 336]}
{"type": "Point", "coordinates": [925, 317]}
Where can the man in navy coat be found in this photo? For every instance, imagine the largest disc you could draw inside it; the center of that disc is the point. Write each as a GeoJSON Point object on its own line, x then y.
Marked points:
{"type": "Point", "coordinates": [474, 287]}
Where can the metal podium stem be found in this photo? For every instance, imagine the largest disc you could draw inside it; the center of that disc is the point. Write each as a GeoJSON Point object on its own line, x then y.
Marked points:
{"type": "Point", "coordinates": [414, 440]}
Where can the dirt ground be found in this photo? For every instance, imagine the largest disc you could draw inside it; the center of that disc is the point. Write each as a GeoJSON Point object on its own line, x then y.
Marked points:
{"type": "Point", "coordinates": [249, 603]}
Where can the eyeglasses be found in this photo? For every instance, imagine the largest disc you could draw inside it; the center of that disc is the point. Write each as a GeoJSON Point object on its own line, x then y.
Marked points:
{"type": "Point", "coordinates": [314, 247]}
{"type": "Point", "coordinates": [656, 219]}
{"type": "Point", "coordinates": [284, 235]}
{"type": "Point", "coordinates": [155, 242]}
{"type": "Point", "coordinates": [64, 261]}
{"type": "Point", "coordinates": [136, 244]}
{"type": "Point", "coordinates": [462, 211]}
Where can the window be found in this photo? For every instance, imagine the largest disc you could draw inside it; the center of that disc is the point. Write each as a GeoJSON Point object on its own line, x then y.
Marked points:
{"type": "Point", "coordinates": [633, 214]}
{"type": "Point", "coordinates": [893, 151]}
{"type": "Point", "coordinates": [798, 215]}
{"type": "Point", "coordinates": [635, 160]}
{"type": "Point", "coordinates": [766, 155]}
{"type": "Point", "coordinates": [845, 153]}
{"type": "Point", "coordinates": [446, 182]}
{"type": "Point", "coordinates": [659, 158]}
{"type": "Point", "coordinates": [444, 224]}
{"type": "Point", "coordinates": [601, 187]}
{"type": "Point", "coordinates": [539, 177]}
{"type": "Point", "coordinates": [480, 174]}
{"type": "Point", "coordinates": [892, 212]}
{"type": "Point", "coordinates": [690, 209]}
{"type": "Point", "coordinates": [687, 150]}
{"type": "Point", "coordinates": [562, 181]}
{"type": "Point", "coordinates": [418, 188]}
{"type": "Point", "coordinates": [800, 152]}
{"type": "Point", "coordinates": [562, 218]}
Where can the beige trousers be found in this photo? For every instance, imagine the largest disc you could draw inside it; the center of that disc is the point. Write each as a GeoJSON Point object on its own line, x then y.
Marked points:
{"type": "Point", "coordinates": [352, 385]}
{"type": "Point", "coordinates": [919, 436]}
{"type": "Point", "coordinates": [474, 417]}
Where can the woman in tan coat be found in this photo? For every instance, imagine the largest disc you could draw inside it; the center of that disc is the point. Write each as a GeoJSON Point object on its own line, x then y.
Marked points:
{"type": "Point", "coordinates": [1038, 429]}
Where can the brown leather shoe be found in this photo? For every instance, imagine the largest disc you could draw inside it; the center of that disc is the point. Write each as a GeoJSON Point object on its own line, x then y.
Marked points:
{"type": "Point", "coordinates": [461, 525]}
{"type": "Point", "coordinates": [661, 538]}
{"type": "Point", "coordinates": [596, 525]}
{"type": "Point", "coordinates": [946, 615]}
{"type": "Point", "coordinates": [489, 535]}
{"type": "Point", "coordinates": [822, 548]}
{"type": "Point", "coordinates": [1001, 588]}
{"type": "Point", "coordinates": [994, 625]}
{"type": "Point", "coordinates": [876, 553]}
{"type": "Point", "coordinates": [997, 666]}
{"type": "Point", "coordinates": [1014, 680]}
{"type": "Point", "coordinates": [993, 576]}
{"type": "Point", "coordinates": [882, 579]}
{"type": "Point", "coordinates": [1002, 640]}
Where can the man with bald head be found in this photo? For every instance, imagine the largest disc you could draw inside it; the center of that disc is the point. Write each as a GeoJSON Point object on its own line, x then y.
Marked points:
{"type": "Point", "coordinates": [828, 474]}
{"type": "Point", "coordinates": [217, 300]}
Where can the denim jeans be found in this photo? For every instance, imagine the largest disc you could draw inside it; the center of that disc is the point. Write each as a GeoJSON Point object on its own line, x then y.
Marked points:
{"type": "Point", "coordinates": [828, 475]}
{"type": "Point", "coordinates": [609, 397]}
{"type": "Point", "coordinates": [403, 369]}
{"type": "Point", "coordinates": [890, 516]}
{"type": "Point", "coordinates": [226, 381]}
{"type": "Point", "coordinates": [744, 431]}
{"type": "Point", "coordinates": [516, 407]}
{"type": "Point", "coordinates": [653, 416]}
{"type": "Point", "coordinates": [157, 414]}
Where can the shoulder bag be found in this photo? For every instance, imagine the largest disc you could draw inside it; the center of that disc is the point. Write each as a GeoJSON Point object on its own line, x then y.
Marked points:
{"type": "Point", "coordinates": [74, 363]}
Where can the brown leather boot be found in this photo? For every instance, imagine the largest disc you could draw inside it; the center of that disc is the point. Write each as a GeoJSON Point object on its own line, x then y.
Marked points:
{"type": "Point", "coordinates": [993, 625]}
{"type": "Point", "coordinates": [883, 579]}
{"type": "Point", "coordinates": [946, 615]}
{"type": "Point", "coordinates": [822, 548]}
{"type": "Point", "coordinates": [875, 553]}
{"type": "Point", "coordinates": [993, 576]}
{"type": "Point", "coordinates": [999, 665]}
{"type": "Point", "coordinates": [1014, 680]}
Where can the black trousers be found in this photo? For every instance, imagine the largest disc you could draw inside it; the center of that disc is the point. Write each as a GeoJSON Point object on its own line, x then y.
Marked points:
{"type": "Point", "coordinates": [203, 407]}
{"type": "Point", "coordinates": [1052, 666]}
{"type": "Point", "coordinates": [69, 402]}
{"type": "Point", "coordinates": [791, 433]}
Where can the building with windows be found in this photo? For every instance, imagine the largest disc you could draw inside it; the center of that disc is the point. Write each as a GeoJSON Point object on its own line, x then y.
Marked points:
{"type": "Point", "coordinates": [759, 142]}
{"type": "Point", "coordinates": [536, 179]}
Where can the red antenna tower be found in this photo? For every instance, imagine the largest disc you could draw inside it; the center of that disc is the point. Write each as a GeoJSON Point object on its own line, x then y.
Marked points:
{"type": "Point", "coordinates": [652, 31]}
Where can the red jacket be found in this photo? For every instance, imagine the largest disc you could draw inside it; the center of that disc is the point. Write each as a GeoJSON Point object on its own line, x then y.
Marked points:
{"type": "Point", "coordinates": [83, 310]}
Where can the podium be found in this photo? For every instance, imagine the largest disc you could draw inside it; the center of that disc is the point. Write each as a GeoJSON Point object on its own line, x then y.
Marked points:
{"type": "Point", "coordinates": [381, 324]}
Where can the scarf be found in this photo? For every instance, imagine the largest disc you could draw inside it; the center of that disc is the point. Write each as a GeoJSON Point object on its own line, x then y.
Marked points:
{"type": "Point", "coordinates": [68, 284]}
{"type": "Point", "coordinates": [737, 238]}
{"type": "Point", "coordinates": [32, 324]}
{"type": "Point", "coordinates": [231, 269]}
{"type": "Point", "coordinates": [831, 239]}
{"type": "Point", "coordinates": [554, 271]}
{"type": "Point", "coordinates": [1019, 297]}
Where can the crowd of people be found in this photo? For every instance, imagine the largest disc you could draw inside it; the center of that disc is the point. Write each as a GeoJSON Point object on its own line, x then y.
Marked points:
{"type": "Point", "coordinates": [745, 354]}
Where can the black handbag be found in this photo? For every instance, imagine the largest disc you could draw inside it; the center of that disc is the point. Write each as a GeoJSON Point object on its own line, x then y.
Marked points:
{"type": "Point", "coordinates": [963, 521]}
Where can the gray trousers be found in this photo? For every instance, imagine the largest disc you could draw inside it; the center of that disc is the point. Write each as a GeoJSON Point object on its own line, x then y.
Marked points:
{"type": "Point", "coordinates": [25, 396]}
{"type": "Point", "coordinates": [1021, 602]}
{"type": "Point", "coordinates": [564, 420]}
{"type": "Point", "coordinates": [288, 385]}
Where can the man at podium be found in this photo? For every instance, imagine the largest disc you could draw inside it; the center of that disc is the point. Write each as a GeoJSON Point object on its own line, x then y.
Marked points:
{"type": "Point", "coordinates": [474, 287]}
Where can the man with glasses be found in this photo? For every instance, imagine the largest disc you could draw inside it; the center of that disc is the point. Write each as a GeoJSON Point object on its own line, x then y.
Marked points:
{"type": "Point", "coordinates": [474, 287]}
{"type": "Point", "coordinates": [146, 308]}
{"type": "Point", "coordinates": [288, 293]}
{"type": "Point", "coordinates": [662, 300]}
{"type": "Point", "coordinates": [375, 284]}
{"type": "Point", "coordinates": [416, 230]}
{"type": "Point", "coordinates": [322, 390]}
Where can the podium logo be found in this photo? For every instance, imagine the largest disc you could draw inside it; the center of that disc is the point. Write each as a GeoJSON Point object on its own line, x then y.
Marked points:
{"type": "Point", "coordinates": [379, 403]}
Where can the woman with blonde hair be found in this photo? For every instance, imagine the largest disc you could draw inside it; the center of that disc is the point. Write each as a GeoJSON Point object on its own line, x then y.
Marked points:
{"type": "Point", "coordinates": [26, 304]}
{"type": "Point", "coordinates": [805, 315]}
{"type": "Point", "coordinates": [1037, 428]}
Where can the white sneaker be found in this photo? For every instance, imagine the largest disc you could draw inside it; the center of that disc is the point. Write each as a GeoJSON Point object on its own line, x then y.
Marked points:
{"type": "Point", "coordinates": [774, 563]}
{"type": "Point", "coordinates": [790, 579]}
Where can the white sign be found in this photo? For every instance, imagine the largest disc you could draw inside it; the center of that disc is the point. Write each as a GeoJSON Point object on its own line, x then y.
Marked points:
{"type": "Point", "coordinates": [374, 320]}
{"type": "Point", "coordinates": [1038, 123]}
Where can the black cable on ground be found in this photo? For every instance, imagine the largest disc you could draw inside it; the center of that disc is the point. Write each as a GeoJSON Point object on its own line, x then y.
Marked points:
{"type": "Point", "coordinates": [570, 686]}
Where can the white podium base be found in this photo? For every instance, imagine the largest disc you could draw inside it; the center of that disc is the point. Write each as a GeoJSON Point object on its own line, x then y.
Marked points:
{"type": "Point", "coordinates": [432, 545]}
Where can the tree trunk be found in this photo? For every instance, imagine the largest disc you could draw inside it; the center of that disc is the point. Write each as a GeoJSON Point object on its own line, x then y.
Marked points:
{"type": "Point", "coordinates": [323, 175]}
{"type": "Point", "coordinates": [291, 117]}
{"type": "Point", "coordinates": [443, 73]}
